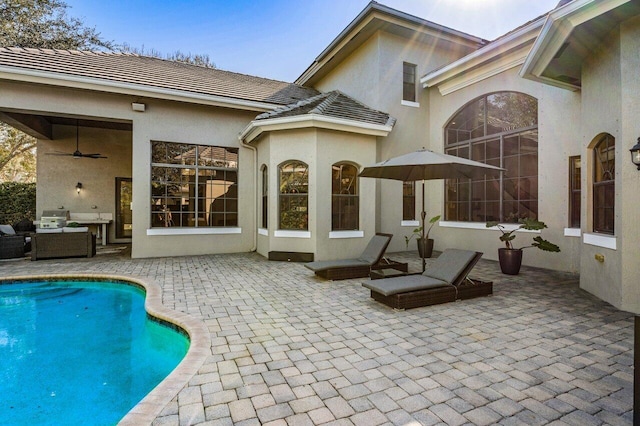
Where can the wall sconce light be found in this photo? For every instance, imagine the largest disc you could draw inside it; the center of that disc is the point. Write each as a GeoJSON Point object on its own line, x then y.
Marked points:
{"type": "Point", "coordinates": [78, 187]}
{"type": "Point", "coordinates": [635, 154]}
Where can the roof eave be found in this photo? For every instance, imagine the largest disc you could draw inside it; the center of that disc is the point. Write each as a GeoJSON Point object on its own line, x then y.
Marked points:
{"type": "Point", "coordinates": [504, 53]}
{"type": "Point", "coordinates": [258, 127]}
{"type": "Point", "coordinates": [364, 18]}
{"type": "Point", "coordinates": [555, 33]}
{"type": "Point", "coordinates": [109, 86]}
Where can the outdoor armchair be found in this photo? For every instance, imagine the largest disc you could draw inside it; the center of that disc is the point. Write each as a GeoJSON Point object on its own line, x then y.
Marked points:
{"type": "Point", "coordinates": [353, 268]}
{"type": "Point", "coordinates": [444, 281]}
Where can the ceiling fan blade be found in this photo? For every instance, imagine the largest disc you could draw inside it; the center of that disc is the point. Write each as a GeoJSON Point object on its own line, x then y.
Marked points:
{"type": "Point", "coordinates": [58, 153]}
{"type": "Point", "coordinates": [93, 155]}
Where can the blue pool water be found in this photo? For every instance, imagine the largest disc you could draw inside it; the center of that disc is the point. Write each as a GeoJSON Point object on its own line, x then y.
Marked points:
{"type": "Point", "coordinates": [79, 352]}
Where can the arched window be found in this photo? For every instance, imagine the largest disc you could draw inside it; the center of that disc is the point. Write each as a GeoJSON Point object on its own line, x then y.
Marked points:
{"type": "Point", "coordinates": [265, 197]}
{"type": "Point", "coordinates": [294, 190]}
{"type": "Point", "coordinates": [500, 129]}
{"type": "Point", "coordinates": [345, 206]}
{"type": "Point", "coordinates": [604, 179]}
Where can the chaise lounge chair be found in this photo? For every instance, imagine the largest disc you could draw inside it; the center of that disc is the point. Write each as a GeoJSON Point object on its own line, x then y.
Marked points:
{"type": "Point", "coordinates": [371, 257]}
{"type": "Point", "coordinates": [444, 281]}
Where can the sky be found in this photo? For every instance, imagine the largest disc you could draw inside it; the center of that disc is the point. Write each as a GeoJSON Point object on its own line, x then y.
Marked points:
{"type": "Point", "coordinates": [277, 39]}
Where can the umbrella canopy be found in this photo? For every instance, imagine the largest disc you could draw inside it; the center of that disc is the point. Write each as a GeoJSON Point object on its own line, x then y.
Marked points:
{"type": "Point", "coordinates": [428, 165]}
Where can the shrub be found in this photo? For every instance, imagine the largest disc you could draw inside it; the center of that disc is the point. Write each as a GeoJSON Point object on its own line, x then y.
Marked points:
{"type": "Point", "coordinates": [17, 201]}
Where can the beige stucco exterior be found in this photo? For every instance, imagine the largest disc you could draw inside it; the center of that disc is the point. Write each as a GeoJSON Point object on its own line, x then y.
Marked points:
{"type": "Point", "coordinates": [369, 69]}
{"type": "Point", "coordinates": [319, 149]}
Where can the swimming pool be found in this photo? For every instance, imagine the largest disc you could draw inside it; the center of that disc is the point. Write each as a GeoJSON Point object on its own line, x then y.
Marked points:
{"type": "Point", "coordinates": [74, 352]}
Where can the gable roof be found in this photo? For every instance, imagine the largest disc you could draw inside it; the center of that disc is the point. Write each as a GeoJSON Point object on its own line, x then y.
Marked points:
{"type": "Point", "coordinates": [333, 104]}
{"type": "Point", "coordinates": [333, 110]}
{"type": "Point", "coordinates": [153, 77]}
{"type": "Point", "coordinates": [375, 17]}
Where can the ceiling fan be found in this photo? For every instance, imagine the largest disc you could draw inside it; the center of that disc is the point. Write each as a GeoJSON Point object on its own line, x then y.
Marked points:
{"type": "Point", "coordinates": [77, 153]}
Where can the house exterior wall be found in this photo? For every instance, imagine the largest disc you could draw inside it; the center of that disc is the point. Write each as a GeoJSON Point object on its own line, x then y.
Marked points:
{"type": "Point", "coordinates": [162, 121]}
{"type": "Point", "coordinates": [630, 131]}
{"type": "Point", "coordinates": [373, 75]}
{"type": "Point", "coordinates": [58, 175]}
{"type": "Point", "coordinates": [319, 149]}
{"type": "Point", "coordinates": [559, 138]}
{"type": "Point", "coordinates": [610, 104]}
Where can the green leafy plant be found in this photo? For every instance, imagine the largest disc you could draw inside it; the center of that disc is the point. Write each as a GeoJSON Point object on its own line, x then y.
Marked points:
{"type": "Point", "coordinates": [73, 225]}
{"type": "Point", "coordinates": [529, 224]}
{"type": "Point", "coordinates": [417, 233]}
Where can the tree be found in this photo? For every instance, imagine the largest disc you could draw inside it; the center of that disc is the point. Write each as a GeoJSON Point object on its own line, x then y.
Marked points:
{"type": "Point", "coordinates": [45, 24]}
{"type": "Point", "coordinates": [201, 60]}
{"type": "Point", "coordinates": [39, 24]}
{"type": "Point", "coordinates": [17, 155]}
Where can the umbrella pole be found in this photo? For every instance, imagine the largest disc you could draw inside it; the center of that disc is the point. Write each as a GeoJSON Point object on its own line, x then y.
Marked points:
{"type": "Point", "coordinates": [424, 216]}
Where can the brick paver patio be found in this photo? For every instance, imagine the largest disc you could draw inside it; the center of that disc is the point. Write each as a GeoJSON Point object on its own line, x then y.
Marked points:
{"type": "Point", "coordinates": [290, 349]}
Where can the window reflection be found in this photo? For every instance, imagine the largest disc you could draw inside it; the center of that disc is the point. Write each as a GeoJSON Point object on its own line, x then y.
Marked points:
{"type": "Point", "coordinates": [193, 185]}
{"type": "Point", "coordinates": [499, 129]}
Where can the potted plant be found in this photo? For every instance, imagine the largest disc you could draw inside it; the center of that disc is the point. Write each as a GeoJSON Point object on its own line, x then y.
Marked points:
{"type": "Point", "coordinates": [510, 258]}
{"type": "Point", "coordinates": [425, 245]}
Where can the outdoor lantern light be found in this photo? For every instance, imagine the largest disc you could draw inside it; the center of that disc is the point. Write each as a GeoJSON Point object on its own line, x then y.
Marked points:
{"type": "Point", "coordinates": [78, 187]}
{"type": "Point", "coordinates": [635, 154]}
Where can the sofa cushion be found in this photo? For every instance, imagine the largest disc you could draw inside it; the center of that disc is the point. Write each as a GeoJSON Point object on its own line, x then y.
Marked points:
{"type": "Point", "coordinates": [7, 230]}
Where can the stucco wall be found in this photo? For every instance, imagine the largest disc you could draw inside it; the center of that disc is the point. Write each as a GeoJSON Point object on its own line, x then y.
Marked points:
{"type": "Point", "coordinates": [373, 75]}
{"type": "Point", "coordinates": [601, 113]}
{"type": "Point", "coordinates": [319, 149]}
{"type": "Point", "coordinates": [559, 138]}
{"type": "Point", "coordinates": [163, 121]}
{"type": "Point", "coordinates": [58, 175]}
{"type": "Point", "coordinates": [629, 196]}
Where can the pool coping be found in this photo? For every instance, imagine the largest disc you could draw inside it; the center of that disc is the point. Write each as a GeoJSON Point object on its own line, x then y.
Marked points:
{"type": "Point", "coordinates": [150, 407]}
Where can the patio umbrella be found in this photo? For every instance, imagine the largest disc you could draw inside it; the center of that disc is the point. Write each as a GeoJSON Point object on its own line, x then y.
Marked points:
{"type": "Point", "coordinates": [427, 165]}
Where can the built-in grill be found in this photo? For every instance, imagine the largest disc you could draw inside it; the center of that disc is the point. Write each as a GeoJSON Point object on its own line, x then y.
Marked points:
{"type": "Point", "coordinates": [54, 219]}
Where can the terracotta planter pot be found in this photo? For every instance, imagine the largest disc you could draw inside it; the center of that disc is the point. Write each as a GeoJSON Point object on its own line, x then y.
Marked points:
{"type": "Point", "coordinates": [510, 260]}
{"type": "Point", "coordinates": [425, 248]}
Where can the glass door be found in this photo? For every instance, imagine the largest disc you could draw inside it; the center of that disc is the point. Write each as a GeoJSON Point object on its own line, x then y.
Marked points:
{"type": "Point", "coordinates": [123, 207]}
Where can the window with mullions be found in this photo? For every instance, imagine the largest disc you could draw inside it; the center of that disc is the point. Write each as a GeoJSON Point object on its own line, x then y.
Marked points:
{"type": "Point", "coordinates": [408, 82]}
{"type": "Point", "coordinates": [345, 206]}
{"type": "Point", "coordinates": [408, 201]}
{"type": "Point", "coordinates": [500, 129]}
{"type": "Point", "coordinates": [265, 197]}
{"type": "Point", "coordinates": [575, 192]}
{"type": "Point", "coordinates": [293, 196]}
{"type": "Point", "coordinates": [193, 185]}
{"type": "Point", "coordinates": [604, 179]}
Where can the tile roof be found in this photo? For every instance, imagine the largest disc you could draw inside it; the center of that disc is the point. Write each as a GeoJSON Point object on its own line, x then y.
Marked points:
{"type": "Point", "coordinates": [332, 104]}
{"type": "Point", "coordinates": [154, 72]}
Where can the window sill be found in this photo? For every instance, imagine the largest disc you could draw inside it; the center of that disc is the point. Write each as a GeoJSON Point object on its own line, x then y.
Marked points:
{"type": "Point", "coordinates": [263, 231]}
{"type": "Point", "coordinates": [572, 232]}
{"type": "Point", "coordinates": [599, 240]}
{"type": "Point", "coordinates": [291, 234]}
{"type": "Point", "coordinates": [411, 223]}
{"type": "Point", "coordinates": [482, 225]}
{"type": "Point", "coordinates": [410, 104]}
{"type": "Point", "coordinates": [193, 231]}
{"type": "Point", "coordinates": [346, 234]}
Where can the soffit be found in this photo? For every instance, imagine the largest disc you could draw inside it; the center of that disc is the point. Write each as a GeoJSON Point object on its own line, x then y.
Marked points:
{"type": "Point", "coordinates": [571, 33]}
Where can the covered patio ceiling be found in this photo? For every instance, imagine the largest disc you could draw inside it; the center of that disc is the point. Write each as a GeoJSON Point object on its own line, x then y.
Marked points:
{"type": "Point", "coordinates": [40, 126]}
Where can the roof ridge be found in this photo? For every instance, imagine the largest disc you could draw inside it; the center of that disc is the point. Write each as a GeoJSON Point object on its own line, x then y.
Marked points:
{"type": "Point", "coordinates": [290, 107]}
{"type": "Point", "coordinates": [330, 97]}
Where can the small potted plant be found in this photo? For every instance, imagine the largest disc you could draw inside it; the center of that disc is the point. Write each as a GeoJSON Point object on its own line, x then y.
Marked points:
{"type": "Point", "coordinates": [510, 258]}
{"type": "Point", "coordinates": [425, 245]}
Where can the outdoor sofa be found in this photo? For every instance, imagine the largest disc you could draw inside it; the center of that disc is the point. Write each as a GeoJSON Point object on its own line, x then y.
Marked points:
{"type": "Point", "coordinates": [13, 244]}
{"type": "Point", "coordinates": [71, 243]}
{"type": "Point", "coordinates": [444, 281]}
{"type": "Point", "coordinates": [371, 258]}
